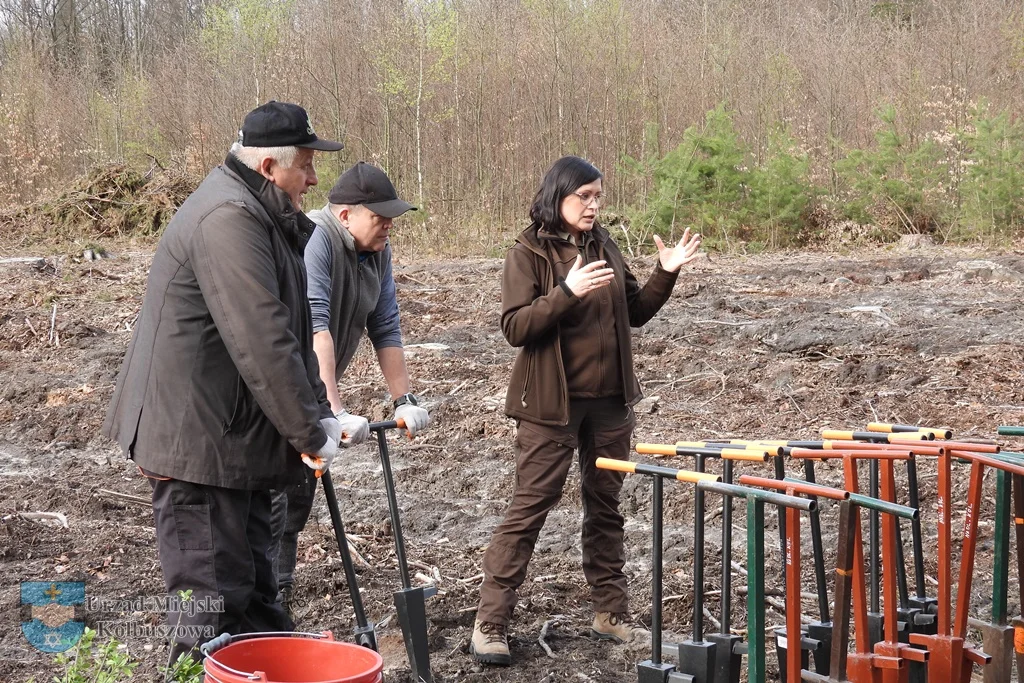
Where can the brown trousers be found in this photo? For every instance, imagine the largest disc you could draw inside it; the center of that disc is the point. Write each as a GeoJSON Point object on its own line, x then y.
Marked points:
{"type": "Point", "coordinates": [598, 428]}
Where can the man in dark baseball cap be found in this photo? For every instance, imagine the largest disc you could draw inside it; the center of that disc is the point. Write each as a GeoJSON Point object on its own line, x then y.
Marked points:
{"type": "Point", "coordinates": [278, 142]}
{"type": "Point", "coordinates": [219, 395]}
{"type": "Point", "coordinates": [351, 289]}
{"type": "Point", "coordinates": [366, 185]}
{"type": "Point", "coordinates": [282, 124]}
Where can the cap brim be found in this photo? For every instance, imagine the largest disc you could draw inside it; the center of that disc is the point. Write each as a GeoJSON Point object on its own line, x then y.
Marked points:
{"type": "Point", "coordinates": [392, 208]}
{"type": "Point", "coordinates": [323, 145]}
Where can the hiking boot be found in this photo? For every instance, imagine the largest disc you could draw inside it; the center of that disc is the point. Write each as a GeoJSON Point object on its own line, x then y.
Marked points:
{"type": "Point", "coordinates": [617, 626]}
{"type": "Point", "coordinates": [490, 643]}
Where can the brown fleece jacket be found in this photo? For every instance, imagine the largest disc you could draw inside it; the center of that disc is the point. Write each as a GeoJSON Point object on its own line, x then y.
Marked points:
{"type": "Point", "coordinates": [571, 347]}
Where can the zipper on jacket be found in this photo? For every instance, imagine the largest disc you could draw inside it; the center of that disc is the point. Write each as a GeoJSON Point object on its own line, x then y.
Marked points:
{"type": "Point", "coordinates": [526, 382]}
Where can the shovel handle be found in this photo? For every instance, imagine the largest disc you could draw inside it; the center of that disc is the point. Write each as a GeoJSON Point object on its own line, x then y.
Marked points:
{"type": "Point", "coordinates": [815, 454]}
{"type": "Point", "coordinates": [640, 468]}
{"type": "Point", "coordinates": [387, 424]}
{"type": "Point", "coordinates": [886, 428]}
{"type": "Point", "coordinates": [746, 454]}
{"type": "Point", "coordinates": [713, 450]}
{"type": "Point", "coordinates": [655, 449]}
{"type": "Point", "coordinates": [792, 487]}
{"type": "Point", "coordinates": [840, 435]}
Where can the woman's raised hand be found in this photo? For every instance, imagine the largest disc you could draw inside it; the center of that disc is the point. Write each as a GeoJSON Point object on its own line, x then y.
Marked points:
{"type": "Point", "coordinates": [678, 256]}
{"type": "Point", "coordinates": [582, 279]}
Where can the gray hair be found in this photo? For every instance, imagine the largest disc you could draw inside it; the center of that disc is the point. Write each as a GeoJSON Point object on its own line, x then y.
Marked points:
{"type": "Point", "coordinates": [254, 156]}
{"type": "Point", "coordinates": [352, 208]}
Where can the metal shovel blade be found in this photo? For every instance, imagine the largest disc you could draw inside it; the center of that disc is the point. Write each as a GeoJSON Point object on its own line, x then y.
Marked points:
{"type": "Point", "coordinates": [411, 604]}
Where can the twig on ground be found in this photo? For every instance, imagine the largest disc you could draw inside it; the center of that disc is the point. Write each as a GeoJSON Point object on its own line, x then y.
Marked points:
{"type": "Point", "coordinates": [53, 322]}
{"type": "Point", "coordinates": [711, 619]}
{"type": "Point", "coordinates": [797, 405]}
{"type": "Point", "coordinates": [544, 633]}
{"type": "Point", "coordinates": [713, 515]}
{"type": "Point", "coordinates": [472, 579]}
{"type": "Point", "coordinates": [125, 497]}
{"type": "Point", "coordinates": [420, 565]}
{"type": "Point", "coordinates": [723, 322]}
{"type": "Point", "coordinates": [31, 327]}
{"type": "Point", "coordinates": [41, 517]}
{"type": "Point", "coordinates": [359, 558]}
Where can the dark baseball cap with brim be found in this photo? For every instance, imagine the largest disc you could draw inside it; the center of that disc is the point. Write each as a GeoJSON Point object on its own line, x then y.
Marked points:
{"type": "Point", "coordinates": [282, 124]}
{"type": "Point", "coordinates": [369, 186]}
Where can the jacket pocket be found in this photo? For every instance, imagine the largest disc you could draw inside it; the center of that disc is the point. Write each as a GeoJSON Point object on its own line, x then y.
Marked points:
{"type": "Point", "coordinates": [239, 410]}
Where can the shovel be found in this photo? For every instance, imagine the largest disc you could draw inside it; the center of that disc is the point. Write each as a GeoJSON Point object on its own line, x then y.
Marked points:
{"type": "Point", "coordinates": [410, 602]}
{"type": "Point", "coordinates": [697, 656]}
{"type": "Point", "coordinates": [365, 634]}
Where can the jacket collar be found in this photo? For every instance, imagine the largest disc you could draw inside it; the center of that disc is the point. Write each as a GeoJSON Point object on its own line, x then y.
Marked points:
{"type": "Point", "coordinates": [535, 237]}
{"type": "Point", "coordinates": [295, 225]}
{"type": "Point", "coordinates": [326, 219]}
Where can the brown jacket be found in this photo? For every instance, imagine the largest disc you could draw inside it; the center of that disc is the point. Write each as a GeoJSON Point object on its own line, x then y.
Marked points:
{"type": "Point", "coordinates": [534, 307]}
{"type": "Point", "coordinates": [220, 385]}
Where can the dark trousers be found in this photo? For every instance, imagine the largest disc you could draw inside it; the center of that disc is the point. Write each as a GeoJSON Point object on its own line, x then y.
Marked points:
{"type": "Point", "coordinates": [598, 428]}
{"type": "Point", "coordinates": [289, 512]}
{"type": "Point", "coordinates": [215, 542]}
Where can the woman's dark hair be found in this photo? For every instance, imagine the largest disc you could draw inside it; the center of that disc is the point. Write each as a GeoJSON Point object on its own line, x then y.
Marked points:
{"type": "Point", "coordinates": [566, 176]}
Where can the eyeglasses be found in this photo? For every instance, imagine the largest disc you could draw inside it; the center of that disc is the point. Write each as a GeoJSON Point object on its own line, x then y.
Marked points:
{"type": "Point", "coordinates": [587, 198]}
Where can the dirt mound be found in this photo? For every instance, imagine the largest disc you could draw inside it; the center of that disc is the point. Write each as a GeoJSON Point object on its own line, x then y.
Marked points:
{"type": "Point", "coordinates": [109, 201]}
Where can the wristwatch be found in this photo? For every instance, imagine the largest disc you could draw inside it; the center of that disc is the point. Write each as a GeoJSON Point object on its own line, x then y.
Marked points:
{"type": "Point", "coordinates": [406, 398]}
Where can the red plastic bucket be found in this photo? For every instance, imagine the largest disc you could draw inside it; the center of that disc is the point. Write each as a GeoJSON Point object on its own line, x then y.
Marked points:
{"type": "Point", "coordinates": [289, 658]}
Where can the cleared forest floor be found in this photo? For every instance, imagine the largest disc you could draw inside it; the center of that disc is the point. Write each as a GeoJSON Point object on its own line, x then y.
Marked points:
{"type": "Point", "coordinates": [771, 346]}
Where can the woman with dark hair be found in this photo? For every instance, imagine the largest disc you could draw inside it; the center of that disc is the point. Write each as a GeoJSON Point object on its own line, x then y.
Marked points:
{"type": "Point", "coordinates": [568, 301]}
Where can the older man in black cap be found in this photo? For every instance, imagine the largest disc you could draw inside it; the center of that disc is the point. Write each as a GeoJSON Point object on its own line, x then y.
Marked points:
{"type": "Point", "coordinates": [220, 393]}
{"type": "Point", "coordinates": [351, 291]}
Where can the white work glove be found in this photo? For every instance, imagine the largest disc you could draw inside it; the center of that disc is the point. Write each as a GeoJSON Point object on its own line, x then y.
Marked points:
{"type": "Point", "coordinates": [355, 429]}
{"type": "Point", "coordinates": [322, 459]}
{"type": "Point", "coordinates": [416, 418]}
{"type": "Point", "coordinates": [332, 427]}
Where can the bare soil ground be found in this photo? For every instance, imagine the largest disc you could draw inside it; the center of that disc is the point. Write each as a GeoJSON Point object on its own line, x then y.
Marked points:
{"type": "Point", "coordinates": [775, 346]}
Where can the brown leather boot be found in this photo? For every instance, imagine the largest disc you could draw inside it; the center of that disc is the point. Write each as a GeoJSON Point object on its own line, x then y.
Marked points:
{"type": "Point", "coordinates": [490, 643]}
{"type": "Point", "coordinates": [617, 626]}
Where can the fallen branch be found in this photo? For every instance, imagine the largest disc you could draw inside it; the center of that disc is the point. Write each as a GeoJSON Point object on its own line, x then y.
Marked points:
{"type": "Point", "coordinates": [359, 558]}
{"type": "Point", "coordinates": [713, 515]}
{"type": "Point", "coordinates": [41, 517]}
{"type": "Point", "coordinates": [544, 634]}
{"type": "Point", "coordinates": [15, 260]}
{"type": "Point", "coordinates": [125, 497]}
{"type": "Point", "coordinates": [711, 619]}
{"type": "Point", "coordinates": [472, 579]}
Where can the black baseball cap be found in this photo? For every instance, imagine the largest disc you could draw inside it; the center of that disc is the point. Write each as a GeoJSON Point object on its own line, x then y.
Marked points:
{"type": "Point", "coordinates": [282, 124]}
{"type": "Point", "coordinates": [368, 185]}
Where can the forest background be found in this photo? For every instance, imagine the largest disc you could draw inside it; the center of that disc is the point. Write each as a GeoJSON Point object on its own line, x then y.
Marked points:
{"type": "Point", "coordinates": [764, 123]}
